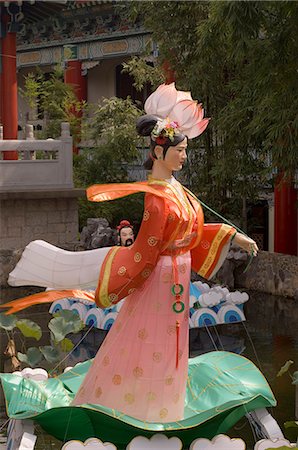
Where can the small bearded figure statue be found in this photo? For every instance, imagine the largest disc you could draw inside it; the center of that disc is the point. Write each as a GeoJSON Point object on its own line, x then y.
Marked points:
{"type": "Point", "coordinates": [125, 233]}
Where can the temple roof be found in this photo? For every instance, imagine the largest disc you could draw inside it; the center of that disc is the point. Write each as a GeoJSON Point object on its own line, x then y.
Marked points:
{"type": "Point", "coordinates": [47, 30]}
{"type": "Point", "coordinates": [38, 10]}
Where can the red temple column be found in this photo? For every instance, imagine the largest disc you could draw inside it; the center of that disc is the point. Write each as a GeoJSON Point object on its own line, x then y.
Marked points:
{"type": "Point", "coordinates": [1, 68]}
{"type": "Point", "coordinates": [1, 95]}
{"type": "Point", "coordinates": [73, 76]}
{"type": "Point", "coordinates": [285, 217]}
{"type": "Point", "coordinates": [168, 72]}
{"type": "Point", "coordinates": [9, 91]}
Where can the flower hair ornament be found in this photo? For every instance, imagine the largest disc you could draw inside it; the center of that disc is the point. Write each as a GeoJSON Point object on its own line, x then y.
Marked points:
{"type": "Point", "coordinates": [177, 113]}
{"type": "Point", "coordinates": [164, 129]}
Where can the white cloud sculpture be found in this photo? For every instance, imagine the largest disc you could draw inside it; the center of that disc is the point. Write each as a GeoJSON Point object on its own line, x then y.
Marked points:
{"type": "Point", "coordinates": [237, 297]}
{"type": "Point", "coordinates": [34, 374]}
{"type": "Point", "coordinates": [157, 441]}
{"type": "Point", "coordinates": [219, 442]}
{"type": "Point", "coordinates": [204, 287]}
{"type": "Point", "coordinates": [90, 444]}
{"type": "Point", "coordinates": [210, 299]}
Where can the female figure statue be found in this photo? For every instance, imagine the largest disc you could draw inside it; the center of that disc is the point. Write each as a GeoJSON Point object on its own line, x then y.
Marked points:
{"type": "Point", "coordinates": [142, 368]}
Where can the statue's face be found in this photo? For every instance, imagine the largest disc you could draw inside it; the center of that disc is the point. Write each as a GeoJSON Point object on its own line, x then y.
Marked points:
{"type": "Point", "coordinates": [126, 237]}
{"type": "Point", "coordinates": [176, 156]}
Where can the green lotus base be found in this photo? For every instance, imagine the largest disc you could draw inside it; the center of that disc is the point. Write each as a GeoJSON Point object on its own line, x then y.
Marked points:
{"type": "Point", "coordinates": [222, 387]}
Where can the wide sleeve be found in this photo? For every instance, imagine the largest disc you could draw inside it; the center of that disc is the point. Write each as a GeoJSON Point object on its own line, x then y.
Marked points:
{"type": "Point", "coordinates": [126, 268]}
{"type": "Point", "coordinates": [209, 255]}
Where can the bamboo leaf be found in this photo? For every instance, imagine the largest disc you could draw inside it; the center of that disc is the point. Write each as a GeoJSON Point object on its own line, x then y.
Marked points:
{"type": "Point", "coordinates": [291, 424]}
{"type": "Point", "coordinates": [295, 377]}
{"type": "Point", "coordinates": [285, 368]}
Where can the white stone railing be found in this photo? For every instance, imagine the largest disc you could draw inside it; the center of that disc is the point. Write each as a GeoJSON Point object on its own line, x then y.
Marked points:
{"type": "Point", "coordinates": [52, 171]}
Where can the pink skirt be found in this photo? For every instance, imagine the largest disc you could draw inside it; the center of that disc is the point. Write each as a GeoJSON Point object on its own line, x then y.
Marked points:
{"type": "Point", "coordinates": [135, 369]}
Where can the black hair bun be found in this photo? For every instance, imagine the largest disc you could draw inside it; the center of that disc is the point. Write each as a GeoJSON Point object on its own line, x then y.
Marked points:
{"type": "Point", "coordinates": [145, 124]}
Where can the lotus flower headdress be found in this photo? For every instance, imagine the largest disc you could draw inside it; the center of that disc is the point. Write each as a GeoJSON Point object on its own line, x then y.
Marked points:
{"type": "Point", "coordinates": [177, 111]}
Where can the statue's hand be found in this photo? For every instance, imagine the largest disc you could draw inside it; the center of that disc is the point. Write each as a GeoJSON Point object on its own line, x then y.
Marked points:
{"type": "Point", "coordinates": [248, 244]}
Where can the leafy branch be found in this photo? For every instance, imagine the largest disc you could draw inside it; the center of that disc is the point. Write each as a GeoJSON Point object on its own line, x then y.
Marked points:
{"type": "Point", "coordinates": [62, 324]}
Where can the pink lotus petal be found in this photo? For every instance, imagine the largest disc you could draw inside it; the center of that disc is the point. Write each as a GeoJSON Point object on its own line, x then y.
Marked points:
{"type": "Point", "coordinates": [199, 113]}
{"type": "Point", "coordinates": [197, 129]}
{"type": "Point", "coordinates": [150, 102]}
{"type": "Point", "coordinates": [183, 95]}
{"type": "Point", "coordinates": [186, 113]}
{"type": "Point", "coordinates": [161, 101]}
{"type": "Point", "coordinates": [166, 102]}
{"type": "Point", "coordinates": [179, 106]}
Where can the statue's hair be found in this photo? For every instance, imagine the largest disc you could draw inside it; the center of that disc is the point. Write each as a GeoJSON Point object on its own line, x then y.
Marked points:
{"type": "Point", "coordinates": [145, 125]}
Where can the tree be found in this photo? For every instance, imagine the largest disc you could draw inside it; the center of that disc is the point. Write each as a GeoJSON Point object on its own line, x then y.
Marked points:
{"type": "Point", "coordinates": [53, 101]}
{"type": "Point", "coordinates": [114, 146]}
{"type": "Point", "coordinates": [62, 324]}
{"type": "Point", "coordinates": [110, 130]}
{"type": "Point", "coordinates": [238, 58]}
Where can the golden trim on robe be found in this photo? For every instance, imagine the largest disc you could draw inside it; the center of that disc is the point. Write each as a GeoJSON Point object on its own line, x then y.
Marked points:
{"type": "Point", "coordinates": [207, 254]}
{"type": "Point", "coordinates": [102, 297]}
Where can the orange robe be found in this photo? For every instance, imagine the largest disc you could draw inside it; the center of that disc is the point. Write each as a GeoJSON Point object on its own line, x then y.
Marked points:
{"type": "Point", "coordinates": [141, 369]}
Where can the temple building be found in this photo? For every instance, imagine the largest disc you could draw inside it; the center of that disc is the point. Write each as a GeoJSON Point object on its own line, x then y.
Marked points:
{"type": "Point", "coordinates": [90, 39]}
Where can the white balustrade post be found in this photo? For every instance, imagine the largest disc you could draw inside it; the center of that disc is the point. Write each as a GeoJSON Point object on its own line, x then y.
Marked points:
{"type": "Point", "coordinates": [65, 130]}
{"type": "Point", "coordinates": [65, 155]}
{"type": "Point", "coordinates": [29, 132]}
{"type": "Point", "coordinates": [29, 137]}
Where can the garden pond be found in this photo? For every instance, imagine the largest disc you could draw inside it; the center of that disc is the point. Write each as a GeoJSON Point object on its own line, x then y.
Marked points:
{"type": "Point", "coordinates": [268, 337]}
